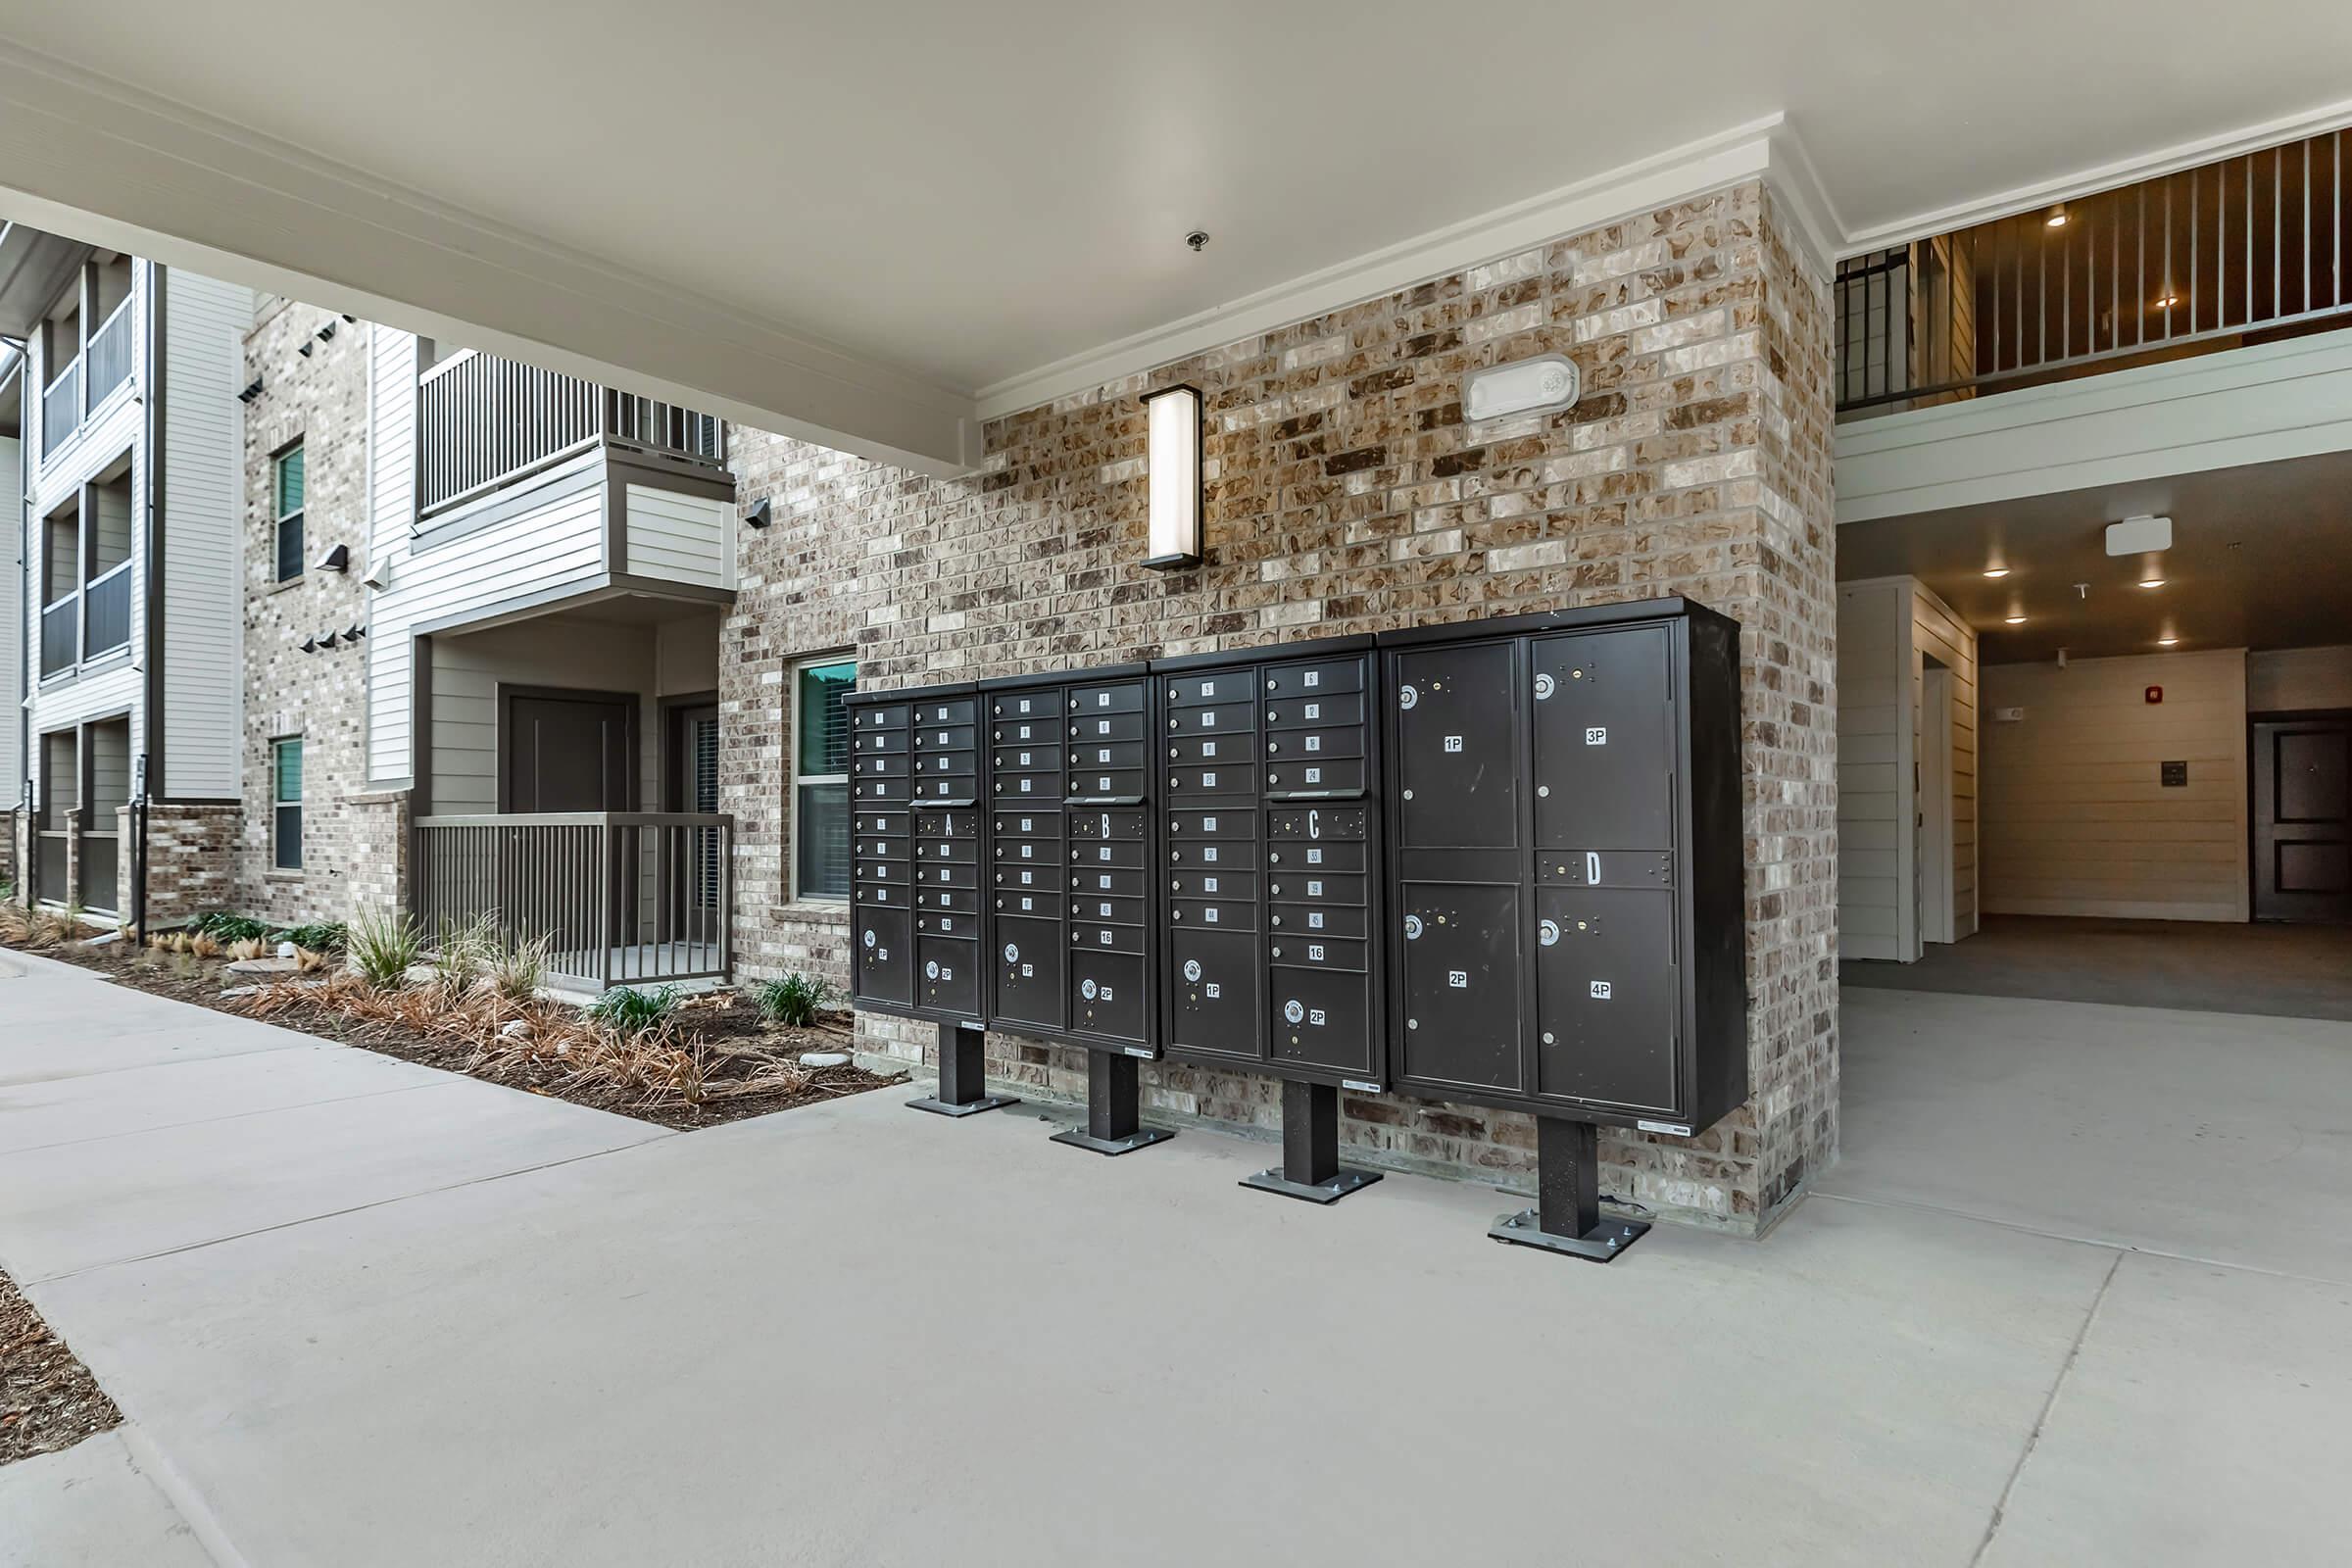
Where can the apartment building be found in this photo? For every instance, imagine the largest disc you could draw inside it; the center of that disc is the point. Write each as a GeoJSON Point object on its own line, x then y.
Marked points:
{"type": "Point", "coordinates": [124, 649]}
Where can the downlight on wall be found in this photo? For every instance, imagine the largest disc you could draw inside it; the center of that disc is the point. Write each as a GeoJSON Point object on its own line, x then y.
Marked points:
{"type": "Point", "coordinates": [1174, 414]}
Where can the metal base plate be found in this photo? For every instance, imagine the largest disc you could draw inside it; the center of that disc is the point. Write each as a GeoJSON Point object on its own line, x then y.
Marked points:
{"type": "Point", "coordinates": [1605, 1243]}
{"type": "Point", "coordinates": [971, 1107]}
{"type": "Point", "coordinates": [1330, 1191]}
{"type": "Point", "coordinates": [1080, 1137]}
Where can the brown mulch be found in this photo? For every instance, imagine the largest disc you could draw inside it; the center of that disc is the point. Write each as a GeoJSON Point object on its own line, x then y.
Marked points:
{"type": "Point", "coordinates": [48, 1399]}
{"type": "Point", "coordinates": [742, 1042]}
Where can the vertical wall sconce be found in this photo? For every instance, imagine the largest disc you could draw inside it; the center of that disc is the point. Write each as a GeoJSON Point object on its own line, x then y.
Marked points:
{"type": "Point", "coordinates": [1175, 415]}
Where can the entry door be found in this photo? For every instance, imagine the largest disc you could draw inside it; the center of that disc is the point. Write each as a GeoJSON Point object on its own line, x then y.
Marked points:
{"type": "Point", "coordinates": [692, 785]}
{"type": "Point", "coordinates": [565, 751]}
{"type": "Point", "coordinates": [2303, 818]}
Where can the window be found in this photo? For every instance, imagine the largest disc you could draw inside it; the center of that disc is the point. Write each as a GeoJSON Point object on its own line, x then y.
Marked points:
{"type": "Point", "coordinates": [820, 814]}
{"type": "Point", "coordinates": [285, 796]}
{"type": "Point", "coordinates": [285, 485]}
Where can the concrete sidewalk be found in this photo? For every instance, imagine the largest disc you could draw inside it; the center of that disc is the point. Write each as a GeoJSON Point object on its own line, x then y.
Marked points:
{"type": "Point", "coordinates": [852, 1334]}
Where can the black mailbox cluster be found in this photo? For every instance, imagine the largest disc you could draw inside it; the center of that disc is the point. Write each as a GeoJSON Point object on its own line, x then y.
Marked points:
{"type": "Point", "coordinates": [1495, 863]}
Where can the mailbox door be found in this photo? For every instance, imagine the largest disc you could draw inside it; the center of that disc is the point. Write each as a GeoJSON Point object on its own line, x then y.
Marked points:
{"type": "Point", "coordinates": [1106, 994]}
{"type": "Point", "coordinates": [1029, 972]}
{"type": "Point", "coordinates": [1457, 747]}
{"type": "Point", "coordinates": [1607, 997]}
{"type": "Point", "coordinates": [1604, 739]}
{"type": "Point", "coordinates": [946, 979]}
{"type": "Point", "coordinates": [1321, 1019]}
{"type": "Point", "coordinates": [885, 955]}
{"type": "Point", "coordinates": [1213, 990]}
{"type": "Point", "coordinates": [1460, 965]}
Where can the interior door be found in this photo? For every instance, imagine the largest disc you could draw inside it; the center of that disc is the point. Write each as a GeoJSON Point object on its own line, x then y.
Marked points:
{"type": "Point", "coordinates": [565, 751]}
{"type": "Point", "coordinates": [2303, 818]}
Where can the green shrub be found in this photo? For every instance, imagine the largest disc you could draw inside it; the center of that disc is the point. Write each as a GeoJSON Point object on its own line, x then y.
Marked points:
{"type": "Point", "coordinates": [793, 1000]}
{"type": "Point", "coordinates": [630, 1011]}
{"type": "Point", "coordinates": [320, 936]}
{"type": "Point", "coordinates": [383, 946]}
{"type": "Point", "coordinates": [224, 927]}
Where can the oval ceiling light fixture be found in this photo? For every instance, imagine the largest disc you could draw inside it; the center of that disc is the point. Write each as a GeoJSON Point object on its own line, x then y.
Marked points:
{"type": "Point", "coordinates": [2167, 642]}
{"type": "Point", "coordinates": [2151, 582]}
{"type": "Point", "coordinates": [2014, 617]}
{"type": "Point", "coordinates": [2056, 217]}
{"type": "Point", "coordinates": [1996, 572]}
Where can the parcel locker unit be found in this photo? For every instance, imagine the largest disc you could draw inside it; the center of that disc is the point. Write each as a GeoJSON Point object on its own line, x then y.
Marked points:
{"type": "Point", "coordinates": [1076, 915]}
{"type": "Point", "coordinates": [917, 847]}
{"type": "Point", "coordinates": [1565, 852]}
{"type": "Point", "coordinates": [1271, 803]}
{"type": "Point", "coordinates": [1269, 958]}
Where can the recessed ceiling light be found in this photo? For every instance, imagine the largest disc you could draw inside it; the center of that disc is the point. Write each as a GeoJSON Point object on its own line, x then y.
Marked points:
{"type": "Point", "coordinates": [2015, 620]}
{"type": "Point", "coordinates": [2166, 642]}
{"type": "Point", "coordinates": [1996, 572]}
{"type": "Point", "coordinates": [2164, 302]}
{"type": "Point", "coordinates": [2056, 218]}
{"type": "Point", "coordinates": [2151, 582]}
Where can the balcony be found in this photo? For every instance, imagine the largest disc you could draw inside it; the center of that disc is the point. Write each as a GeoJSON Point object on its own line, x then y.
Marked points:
{"type": "Point", "coordinates": [618, 898]}
{"type": "Point", "coordinates": [483, 422]}
{"type": "Point", "coordinates": [2247, 251]}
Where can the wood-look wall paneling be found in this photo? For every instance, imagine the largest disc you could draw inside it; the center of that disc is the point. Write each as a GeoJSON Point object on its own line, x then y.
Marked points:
{"type": "Point", "coordinates": [2288, 680]}
{"type": "Point", "coordinates": [1937, 633]}
{"type": "Point", "coordinates": [1872, 784]}
{"type": "Point", "coordinates": [2076, 818]}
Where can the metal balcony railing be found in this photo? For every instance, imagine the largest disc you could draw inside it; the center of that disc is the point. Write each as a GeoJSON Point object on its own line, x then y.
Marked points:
{"type": "Point", "coordinates": [483, 421]}
{"type": "Point", "coordinates": [61, 635]}
{"type": "Point", "coordinates": [61, 408]}
{"type": "Point", "coordinates": [620, 898]}
{"type": "Point", "coordinates": [2243, 251]}
{"type": "Point", "coordinates": [106, 613]}
{"type": "Point", "coordinates": [106, 362]}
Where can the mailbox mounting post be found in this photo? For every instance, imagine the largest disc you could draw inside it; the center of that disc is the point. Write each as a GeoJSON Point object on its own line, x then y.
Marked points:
{"type": "Point", "coordinates": [1310, 1167]}
{"type": "Point", "coordinates": [1114, 1108]}
{"type": "Point", "coordinates": [1566, 1218]}
{"type": "Point", "coordinates": [963, 1075]}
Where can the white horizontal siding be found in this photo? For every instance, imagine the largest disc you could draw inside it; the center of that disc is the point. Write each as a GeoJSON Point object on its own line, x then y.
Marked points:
{"type": "Point", "coordinates": [13, 643]}
{"type": "Point", "coordinates": [681, 538]}
{"type": "Point", "coordinates": [391, 512]}
{"type": "Point", "coordinates": [203, 437]}
{"type": "Point", "coordinates": [536, 550]}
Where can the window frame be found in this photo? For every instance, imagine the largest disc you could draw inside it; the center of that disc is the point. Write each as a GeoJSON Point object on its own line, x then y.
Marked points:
{"type": "Point", "coordinates": [280, 805]}
{"type": "Point", "coordinates": [800, 668]}
{"type": "Point", "coordinates": [281, 516]}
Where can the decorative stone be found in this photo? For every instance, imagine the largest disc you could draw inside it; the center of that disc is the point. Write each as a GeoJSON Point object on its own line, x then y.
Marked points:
{"type": "Point", "coordinates": [515, 1029]}
{"type": "Point", "coordinates": [824, 1058]}
{"type": "Point", "coordinates": [279, 965]}
{"type": "Point", "coordinates": [285, 950]}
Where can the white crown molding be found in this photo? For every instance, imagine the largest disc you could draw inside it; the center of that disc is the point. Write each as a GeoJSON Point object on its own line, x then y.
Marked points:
{"type": "Point", "coordinates": [2105, 176]}
{"type": "Point", "coordinates": [1759, 148]}
{"type": "Point", "coordinates": [90, 157]}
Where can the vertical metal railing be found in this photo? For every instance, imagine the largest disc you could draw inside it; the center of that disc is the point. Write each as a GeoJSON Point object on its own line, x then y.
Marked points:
{"type": "Point", "coordinates": [2241, 250]}
{"type": "Point", "coordinates": [106, 364]}
{"type": "Point", "coordinates": [61, 408]}
{"type": "Point", "coordinates": [482, 421]}
{"type": "Point", "coordinates": [618, 898]}
{"type": "Point", "coordinates": [61, 635]}
{"type": "Point", "coordinates": [105, 612]}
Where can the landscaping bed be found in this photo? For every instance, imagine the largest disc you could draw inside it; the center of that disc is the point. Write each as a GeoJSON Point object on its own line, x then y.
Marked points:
{"type": "Point", "coordinates": [705, 1060]}
{"type": "Point", "coordinates": [48, 1399]}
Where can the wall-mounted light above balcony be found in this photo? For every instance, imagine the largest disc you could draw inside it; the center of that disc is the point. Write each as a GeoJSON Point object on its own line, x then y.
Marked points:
{"type": "Point", "coordinates": [1175, 457]}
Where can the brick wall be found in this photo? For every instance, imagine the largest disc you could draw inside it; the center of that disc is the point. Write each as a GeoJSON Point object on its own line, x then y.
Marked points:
{"type": "Point", "coordinates": [191, 860]}
{"type": "Point", "coordinates": [321, 399]}
{"type": "Point", "coordinates": [1345, 494]}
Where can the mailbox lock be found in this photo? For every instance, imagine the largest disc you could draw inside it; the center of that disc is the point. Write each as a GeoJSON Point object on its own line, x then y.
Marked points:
{"type": "Point", "coordinates": [1278, 952]}
{"type": "Point", "coordinates": [1173, 915]}
{"type": "Point", "coordinates": [1413, 1023]}
{"type": "Point", "coordinates": [1172, 751]}
{"type": "Point", "coordinates": [1276, 890]}
{"type": "Point", "coordinates": [1272, 747]}
{"type": "Point", "coordinates": [1544, 790]}
{"type": "Point", "coordinates": [1173, 855]}
{"type": "Point", "coordinates": [1273, 859]}
{"type": "Point", "coordinates": [1277, 920]}
{"type": "Point", "coordinates": [1408, 795]}
{"type": "Point", "coordinates": [1547, 1040]}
